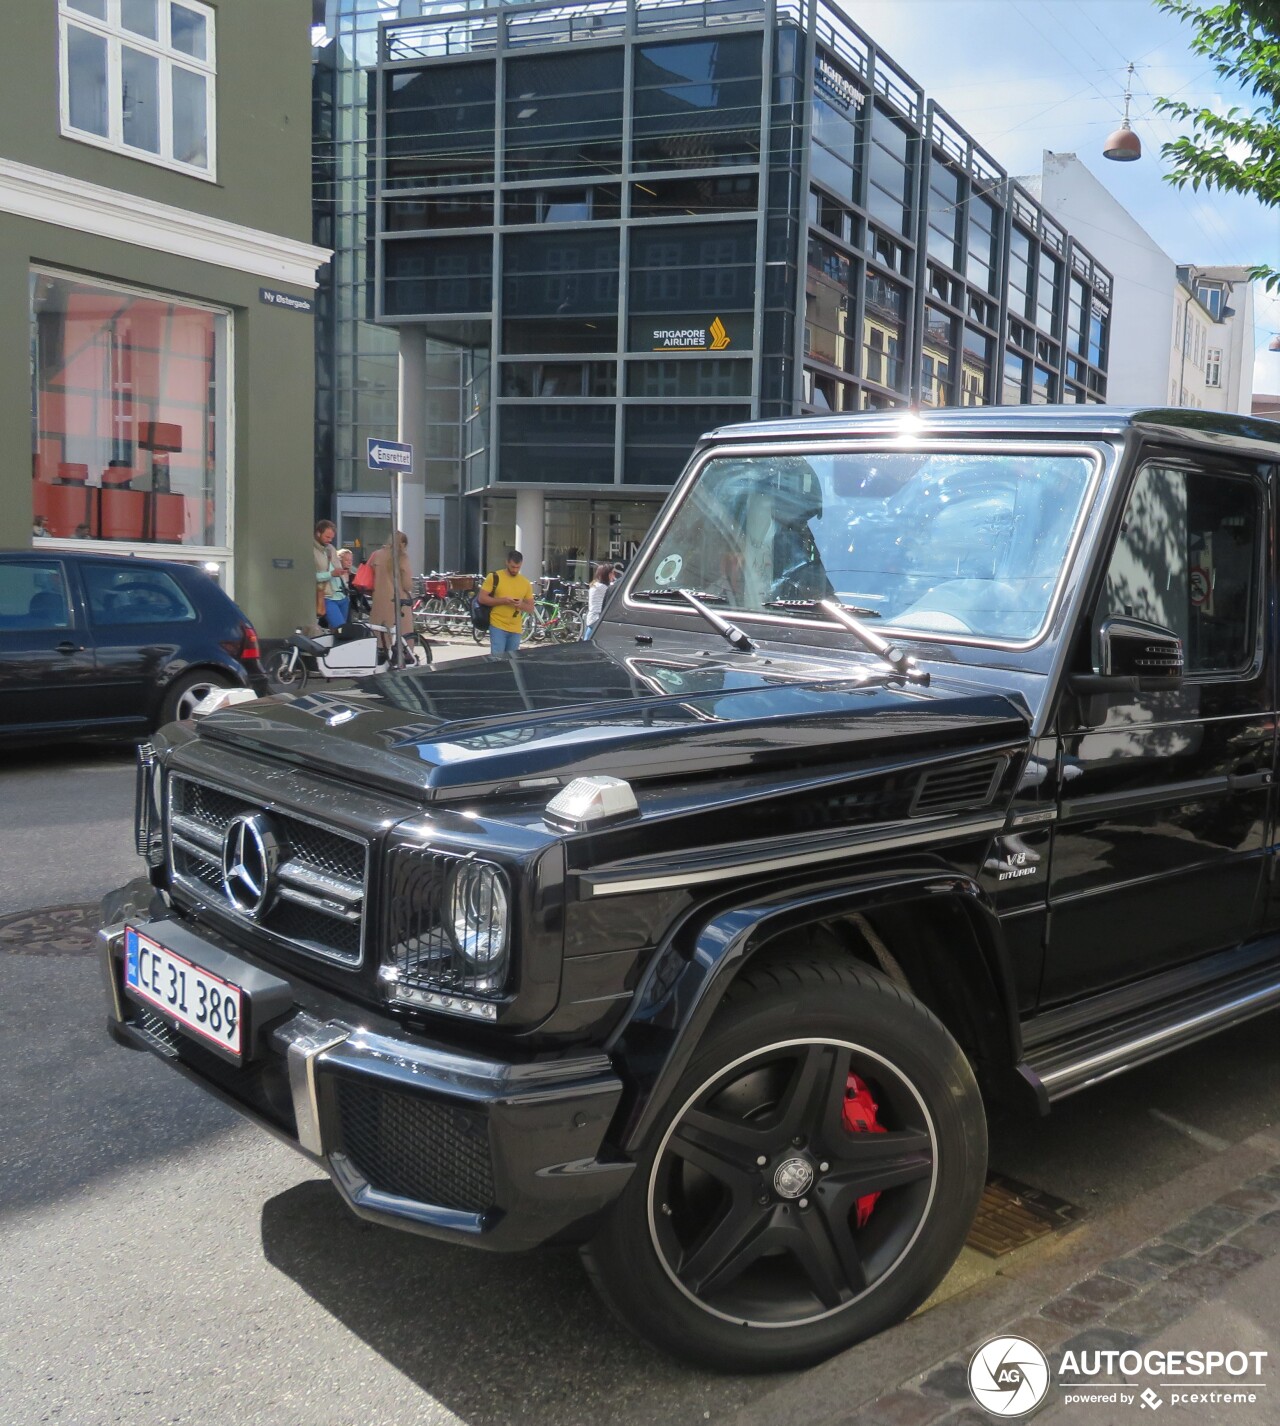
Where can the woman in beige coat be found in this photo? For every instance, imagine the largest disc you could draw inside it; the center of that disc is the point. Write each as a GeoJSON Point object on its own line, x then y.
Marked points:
{"type": "Point", "coordinates": [384, 595]}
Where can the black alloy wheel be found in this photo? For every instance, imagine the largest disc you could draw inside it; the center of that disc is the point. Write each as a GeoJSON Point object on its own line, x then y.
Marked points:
{"type": "Point", "coordinates": [815, 1180]}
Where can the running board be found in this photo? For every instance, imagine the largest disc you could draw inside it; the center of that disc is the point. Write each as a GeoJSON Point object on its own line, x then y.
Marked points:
{"type": "Point", "coordinates": [1057, 1066]}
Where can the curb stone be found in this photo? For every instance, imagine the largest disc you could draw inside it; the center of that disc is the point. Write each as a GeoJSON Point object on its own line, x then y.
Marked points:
{"type": "Point", "coordinates": [1114, 1284]}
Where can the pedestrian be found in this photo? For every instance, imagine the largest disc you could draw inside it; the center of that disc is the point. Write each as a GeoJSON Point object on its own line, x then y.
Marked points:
{"type": "Point", "coordinates": [604, 576]}
{"type": "Point", "coordinates": [384, 591]}
{"type": "Point", "coordinates": [329, 585]}
{"type": "Point", "coordinates": [357, 603]}
{"type": "Point", "coordinates": [509, 596]}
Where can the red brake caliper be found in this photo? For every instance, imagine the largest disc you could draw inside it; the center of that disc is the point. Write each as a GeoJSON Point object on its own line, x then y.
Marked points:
{"type": "Point", "coordinates": [860, 1112]}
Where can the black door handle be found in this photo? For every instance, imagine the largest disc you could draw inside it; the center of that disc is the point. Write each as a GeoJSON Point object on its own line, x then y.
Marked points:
{"type": "Point", "coordinates": [67, 647]}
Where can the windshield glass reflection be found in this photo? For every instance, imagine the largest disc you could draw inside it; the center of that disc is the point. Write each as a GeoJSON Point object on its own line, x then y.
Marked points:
{"type": "Point", "coordinates": [947, 543]}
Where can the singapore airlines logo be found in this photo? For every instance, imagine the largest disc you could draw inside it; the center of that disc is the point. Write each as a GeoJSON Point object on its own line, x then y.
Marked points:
{"type": "Point", "coordinates": [1009, 1376]}
{"type": "Point", "coordinates": [714, 337]}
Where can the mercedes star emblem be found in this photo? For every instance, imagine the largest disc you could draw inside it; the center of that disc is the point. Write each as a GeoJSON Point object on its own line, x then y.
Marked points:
{"type": "Point", "coordinates": [250, 855]}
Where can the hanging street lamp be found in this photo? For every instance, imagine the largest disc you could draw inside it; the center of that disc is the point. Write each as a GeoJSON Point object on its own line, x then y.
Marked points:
{"type": "Point", "coordinates": [1124, 145]}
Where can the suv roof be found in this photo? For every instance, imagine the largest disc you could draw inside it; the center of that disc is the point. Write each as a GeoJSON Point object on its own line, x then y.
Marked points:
{"type": "Point", "coordinates": [1201, 426]}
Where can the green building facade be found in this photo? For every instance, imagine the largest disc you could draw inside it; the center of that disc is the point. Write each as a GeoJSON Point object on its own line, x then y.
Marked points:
{"type": "Point", "coordinates": [157, 288]}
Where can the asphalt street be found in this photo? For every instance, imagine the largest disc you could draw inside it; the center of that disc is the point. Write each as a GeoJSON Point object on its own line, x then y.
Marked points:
{"type": "Point", "coordinates": [165, 1262]}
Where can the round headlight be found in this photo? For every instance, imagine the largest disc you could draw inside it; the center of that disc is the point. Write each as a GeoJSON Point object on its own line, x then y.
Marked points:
{"type": "Point", "coordinates": [478, 912]}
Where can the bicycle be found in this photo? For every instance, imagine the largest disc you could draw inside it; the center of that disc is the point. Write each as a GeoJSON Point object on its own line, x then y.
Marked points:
{"type": "Point", "coordinates": [560, 615]}
{"type": "Point", "coordinates": [356, 650]}
{"type": "Point", "coordinates": [445, 603]}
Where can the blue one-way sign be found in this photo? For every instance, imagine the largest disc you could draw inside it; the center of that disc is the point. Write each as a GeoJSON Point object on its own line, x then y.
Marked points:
{"type": "Point", "coordinates": [390, 455]}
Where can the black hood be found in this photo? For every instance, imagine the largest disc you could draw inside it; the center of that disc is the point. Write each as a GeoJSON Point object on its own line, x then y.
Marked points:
{"type": "Point", "coordinates": [549, 714]}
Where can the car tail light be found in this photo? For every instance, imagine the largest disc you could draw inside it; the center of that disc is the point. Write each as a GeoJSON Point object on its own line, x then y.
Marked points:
{"type": "Point", "coordinates": [249, 642]}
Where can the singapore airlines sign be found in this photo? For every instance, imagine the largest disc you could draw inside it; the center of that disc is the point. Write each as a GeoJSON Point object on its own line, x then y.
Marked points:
{"type": "Point", "coordinates": [712, 338]}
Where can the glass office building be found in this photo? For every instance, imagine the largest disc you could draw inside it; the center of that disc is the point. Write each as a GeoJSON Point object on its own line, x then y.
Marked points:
{"type": "Point", "coordinates": [604, 228]}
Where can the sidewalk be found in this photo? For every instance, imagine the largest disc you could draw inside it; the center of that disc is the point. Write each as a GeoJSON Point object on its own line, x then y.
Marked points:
{"type": "Point", "coordinates": [1192, 1266]}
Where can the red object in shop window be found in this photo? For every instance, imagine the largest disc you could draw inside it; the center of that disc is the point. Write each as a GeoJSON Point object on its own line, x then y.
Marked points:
{"type": "Point", "coordinates": [124, 514]}
{"type": "Point", "coordinates": [169, 518]}
{"type": "Point", "coordinates": [117, 475]}
{"type": "Point", "coordinates": [160, 436]}
{"type": "Point", "coordinates": [70, 511]}
{"type": "Point", "coordinates": [73, 473]}
{"type": "Point", "coordinates": [40, 501]}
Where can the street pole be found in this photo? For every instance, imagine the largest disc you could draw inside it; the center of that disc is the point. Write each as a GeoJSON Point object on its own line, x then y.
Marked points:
{"type": "Point", "coordinates": [393, 549]}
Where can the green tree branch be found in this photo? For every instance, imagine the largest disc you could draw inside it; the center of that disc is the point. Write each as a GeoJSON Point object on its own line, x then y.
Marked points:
{"type": "Point", "coordinates": [1238, 151]}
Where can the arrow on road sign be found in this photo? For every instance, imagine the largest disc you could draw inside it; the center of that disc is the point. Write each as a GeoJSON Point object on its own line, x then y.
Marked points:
{"type": "Point", "coordinates": [389, 455]}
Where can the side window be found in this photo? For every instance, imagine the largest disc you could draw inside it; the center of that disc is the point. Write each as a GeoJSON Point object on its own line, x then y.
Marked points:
{"type": "Point", "coordinates": [134, 596]}
{"type": "Point", "coordinates": [1189, 558]}
{"type": "Point", "coordinates": [33, 595]}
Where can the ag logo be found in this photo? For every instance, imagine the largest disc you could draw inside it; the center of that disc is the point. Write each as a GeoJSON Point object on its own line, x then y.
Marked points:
{"type": "Point", "coordinates": [1009, 1376]}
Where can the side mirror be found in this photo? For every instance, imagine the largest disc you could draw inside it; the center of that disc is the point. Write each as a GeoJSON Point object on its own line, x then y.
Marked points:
{"type": "Point", "coordinates": [1135, 648]}
{"type": "Point", "coordinates": [1135, 656]}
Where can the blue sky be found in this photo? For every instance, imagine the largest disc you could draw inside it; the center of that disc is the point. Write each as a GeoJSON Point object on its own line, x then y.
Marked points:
{"type": "Point", "coordinates": [1023, 76]}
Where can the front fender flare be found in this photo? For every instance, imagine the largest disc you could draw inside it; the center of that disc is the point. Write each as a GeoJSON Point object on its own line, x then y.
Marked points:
{"type": "Point", "coordinates": [682, 989]}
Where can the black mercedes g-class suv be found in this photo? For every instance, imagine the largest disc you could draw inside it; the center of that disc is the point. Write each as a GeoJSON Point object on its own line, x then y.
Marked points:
{"type": "Point", "coordinates": [918, 764]}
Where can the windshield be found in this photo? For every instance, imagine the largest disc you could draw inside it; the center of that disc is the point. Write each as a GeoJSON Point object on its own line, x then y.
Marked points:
{"type": "Point", "coordinates": [947, 543]}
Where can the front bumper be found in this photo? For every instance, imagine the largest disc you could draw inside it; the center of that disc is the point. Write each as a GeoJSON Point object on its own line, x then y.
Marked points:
{"type": "Point", "coordinates": [500, 1154]}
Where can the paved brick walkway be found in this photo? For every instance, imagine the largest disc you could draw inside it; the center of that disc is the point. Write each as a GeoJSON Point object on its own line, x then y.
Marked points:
{"type": "Point", "coordinates": [1122, 1305]}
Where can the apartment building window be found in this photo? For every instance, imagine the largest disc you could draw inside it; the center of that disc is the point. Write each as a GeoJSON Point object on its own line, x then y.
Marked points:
{"type": "Point", "coordinates": [1213, 367]}
{"type": "Point", "coordinates": [137, 76]}
{"type": "Point", "coordinates": [1210, 297]}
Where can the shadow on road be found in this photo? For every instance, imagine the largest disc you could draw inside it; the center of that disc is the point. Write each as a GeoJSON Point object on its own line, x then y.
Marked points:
{"type": "Point", "coordinates": [56, 756]}
{"type": "Point", "coordinates": [74, 1106]}
{"type": "Point", "coordinates": [494, 1338]}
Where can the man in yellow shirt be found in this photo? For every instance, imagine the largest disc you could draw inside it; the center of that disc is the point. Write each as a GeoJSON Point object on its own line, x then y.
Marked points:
{"type": "Point", "coordinates": [509, 596]}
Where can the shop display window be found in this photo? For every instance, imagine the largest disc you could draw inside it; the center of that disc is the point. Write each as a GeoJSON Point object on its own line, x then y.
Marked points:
{"type": "Point", "coordinates": [129, 394]}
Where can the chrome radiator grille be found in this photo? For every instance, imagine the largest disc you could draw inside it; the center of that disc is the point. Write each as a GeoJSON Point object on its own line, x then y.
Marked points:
{"type": "Point", "coordinates": [317, 901]}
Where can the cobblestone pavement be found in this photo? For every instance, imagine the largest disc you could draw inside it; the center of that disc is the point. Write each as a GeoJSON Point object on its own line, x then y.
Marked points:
{"type": "Point", "coordinates": [1122, 1305]}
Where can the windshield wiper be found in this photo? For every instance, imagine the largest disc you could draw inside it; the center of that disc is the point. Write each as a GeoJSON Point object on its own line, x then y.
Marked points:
{"type": "Point", "coordinates": [901, 662]}
{"type": "Point", "coordinates": [699, 599]}
{"type": "Point", "coordinates": [811, 606]}
{"type": "Point", "coordinates": [722, 626]}
{"type": "Point", "coordinates": [848, 615]}
{"type": "Point", "coordinates": [675, 593]}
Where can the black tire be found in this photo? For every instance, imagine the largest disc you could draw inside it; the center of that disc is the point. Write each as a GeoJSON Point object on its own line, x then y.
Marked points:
{"type": "Point", "coordinates": [187, 690]}
{"type": "Point", "coordinates": [280, 676]}
{"type": "Point", "coordinates": [708, 1252]}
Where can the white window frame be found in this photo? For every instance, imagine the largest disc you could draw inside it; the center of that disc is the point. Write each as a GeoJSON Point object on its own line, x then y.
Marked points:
{"type": "Point", "coordinates": [1213, 367]}
{"type": "Point", "coordinates": [113, 32]}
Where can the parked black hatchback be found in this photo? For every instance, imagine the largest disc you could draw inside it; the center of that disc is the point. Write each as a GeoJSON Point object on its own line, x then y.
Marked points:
{"type": "Point", "coordinates": [94, 643]}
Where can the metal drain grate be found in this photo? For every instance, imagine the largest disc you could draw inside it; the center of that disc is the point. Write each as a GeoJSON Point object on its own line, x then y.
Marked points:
{"type": "Point", "coordinates": [1012, 1214]}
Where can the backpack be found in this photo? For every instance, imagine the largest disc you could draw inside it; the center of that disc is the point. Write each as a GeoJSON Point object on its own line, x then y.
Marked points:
{"type": "Point", "coordinates": [363, 578]}
{"type": "Point", "coordinates": [480, 613]}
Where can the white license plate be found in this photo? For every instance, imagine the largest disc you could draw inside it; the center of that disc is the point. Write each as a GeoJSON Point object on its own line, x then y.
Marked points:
{"type": "Point", "coordinates": [201, 1002]}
